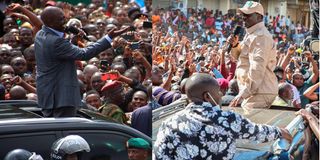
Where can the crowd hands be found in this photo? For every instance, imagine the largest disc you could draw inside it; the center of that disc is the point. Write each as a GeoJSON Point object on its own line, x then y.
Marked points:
{"type": "Point", "coordinates": [118, 77]}
{"type": "Point", "coordinates": [197, 43]}
{"type": "Point", "coordinates": [183, 45]}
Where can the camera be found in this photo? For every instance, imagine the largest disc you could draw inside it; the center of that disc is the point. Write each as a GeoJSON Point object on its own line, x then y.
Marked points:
{"type": "Point", "coordinates": [104, 65]}
{"type": "Point", "coordinates": [147, 24]}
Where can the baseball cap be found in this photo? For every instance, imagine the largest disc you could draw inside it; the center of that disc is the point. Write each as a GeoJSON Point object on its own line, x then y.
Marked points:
{"type": "Point", "coordinates": [252, 7]}
{"type": "Point", "coordinates": [133, 10]}
{"type": "Point", "coordinates": [138, 143]}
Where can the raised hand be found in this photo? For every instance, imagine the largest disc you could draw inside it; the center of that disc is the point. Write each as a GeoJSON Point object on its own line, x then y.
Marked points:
{"type": "Point", "coordinates": [308, 55]}
{"type": "Point", "coordinates": [233, 40]}
{"type": "Point", "coordinates": [114, 33]}
{"type": "Point", "coordinates": [192, 68]}
{"type": "Point", "coordinates": [137, 55]}
{"type": "Point", "coordinates": [291, 50]}
{"type": "Point", "coordinates": [19, 16]}
{"type": "Point", "coordinates": [14, 7]}
{"type": "Point", "coordinates": [16, 80]}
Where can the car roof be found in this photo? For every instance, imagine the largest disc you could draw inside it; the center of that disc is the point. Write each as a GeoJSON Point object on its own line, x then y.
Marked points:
{"type": "Point", "coordinates": [16, 126]}
{"type": "Point", "coordinates": [27, 121]}
{"type": "Point", "coordinates": [20, 109]}
{"type": "Point", "coordinates": [11, 112]}
{"type": "Point", "coordinates": [18, 116]}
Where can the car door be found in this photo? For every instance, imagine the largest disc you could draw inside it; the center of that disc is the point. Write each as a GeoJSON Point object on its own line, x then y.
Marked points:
{"type": "Point", "coordinates": [104, 145]}
{"type": "Point", "coordinates": [39, 142]}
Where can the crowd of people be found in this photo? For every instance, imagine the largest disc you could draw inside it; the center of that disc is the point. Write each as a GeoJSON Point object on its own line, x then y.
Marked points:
{"type": "Point", "coordinates": [110, 59]}
{"type": "Point", "coordinates": [248, 59]}
{"type": "Point", "coordinates": [66, 57]}
{"type": "Point", "coordinates": [185, 44]}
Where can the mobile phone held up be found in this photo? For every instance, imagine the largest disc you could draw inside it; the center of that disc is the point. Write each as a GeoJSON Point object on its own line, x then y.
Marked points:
{"type": "Point", "coordinates": [109, 76]}
{"type": "Point", "coordinates": [147, 24]}
{"type": "Point", "coordinates": [104, 65]}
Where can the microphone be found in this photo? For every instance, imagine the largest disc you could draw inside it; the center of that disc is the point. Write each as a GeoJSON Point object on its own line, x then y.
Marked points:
{"type": "Point", "coordinates": [236, 31]}
{"type": "Point", "coordinates": [74, 30]}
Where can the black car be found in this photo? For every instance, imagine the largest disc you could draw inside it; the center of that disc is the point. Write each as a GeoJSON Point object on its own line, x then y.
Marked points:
{"type": "Point", "coordinates": [22, 127]}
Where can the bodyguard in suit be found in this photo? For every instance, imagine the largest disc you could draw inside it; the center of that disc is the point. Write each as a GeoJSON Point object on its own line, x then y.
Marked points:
{"type": "Point", "coordinates": [57, 85]}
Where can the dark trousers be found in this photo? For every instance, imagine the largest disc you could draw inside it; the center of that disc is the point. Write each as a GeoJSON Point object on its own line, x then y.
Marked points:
{"type": "Point", "coordinates": [67, 111]}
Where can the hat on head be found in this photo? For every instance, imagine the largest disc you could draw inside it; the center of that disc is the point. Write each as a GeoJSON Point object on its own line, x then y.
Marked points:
{"type": "Point", "coordinates": [112, 86]}
{"type": "Point", "coordinates": [133, 11]}
{"type": "Point", "coordinates": [252, 7]}
{"type": "Point", "coordinates": [138, 143]}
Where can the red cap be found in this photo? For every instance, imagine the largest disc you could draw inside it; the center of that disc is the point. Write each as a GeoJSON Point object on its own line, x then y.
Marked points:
{"type": "Point", "coordinates": [223, 83]}
{"type": "Point", "coordinates": [112, 86]}
{"type": "Point", "coordinates": [51, 3]}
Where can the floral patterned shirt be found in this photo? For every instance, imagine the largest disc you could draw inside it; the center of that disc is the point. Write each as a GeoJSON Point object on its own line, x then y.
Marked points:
{"type": "Point", "coordinates": [203, 131]}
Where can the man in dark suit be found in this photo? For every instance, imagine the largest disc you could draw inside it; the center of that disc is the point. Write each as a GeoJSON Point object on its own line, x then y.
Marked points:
{"type": "Point", "coordinates": [141, 119]}
{"type": "Point", "coordinates": [57, 85]}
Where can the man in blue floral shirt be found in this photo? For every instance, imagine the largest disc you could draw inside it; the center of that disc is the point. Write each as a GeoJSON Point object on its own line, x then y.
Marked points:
{"type": "Point", "coordinates": [204, 131]}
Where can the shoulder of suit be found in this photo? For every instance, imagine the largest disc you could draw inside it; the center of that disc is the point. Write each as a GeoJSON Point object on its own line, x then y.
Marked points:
{"type": "Point", "coordinates": [261, 31]}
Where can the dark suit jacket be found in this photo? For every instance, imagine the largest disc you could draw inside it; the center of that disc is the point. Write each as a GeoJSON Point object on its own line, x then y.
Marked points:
{"type": "Point", "coordinates": [141, 120]}
{"type": "Point", "coordinates": [57, 83]}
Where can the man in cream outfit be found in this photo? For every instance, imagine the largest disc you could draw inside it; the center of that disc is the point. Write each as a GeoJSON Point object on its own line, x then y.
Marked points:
{"type": "Point", "coordinates": [256, 56]}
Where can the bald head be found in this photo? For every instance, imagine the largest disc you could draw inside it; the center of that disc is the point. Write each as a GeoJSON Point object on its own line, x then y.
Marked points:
{"type": "Point", "coordinates": [18, 93]}
{"type": "Point", "coordinates": [183, 86]}
{"type": "Point", "coordinates": [285, 91]}
{"type": "Point", "coordinates": [53, 17]}
{"type": "Point", "coordinates": [199, 84]}
{"type": "Point", "coordinates": [88, 71]}
{"type": "Point", "coordinates": [32, 97]}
